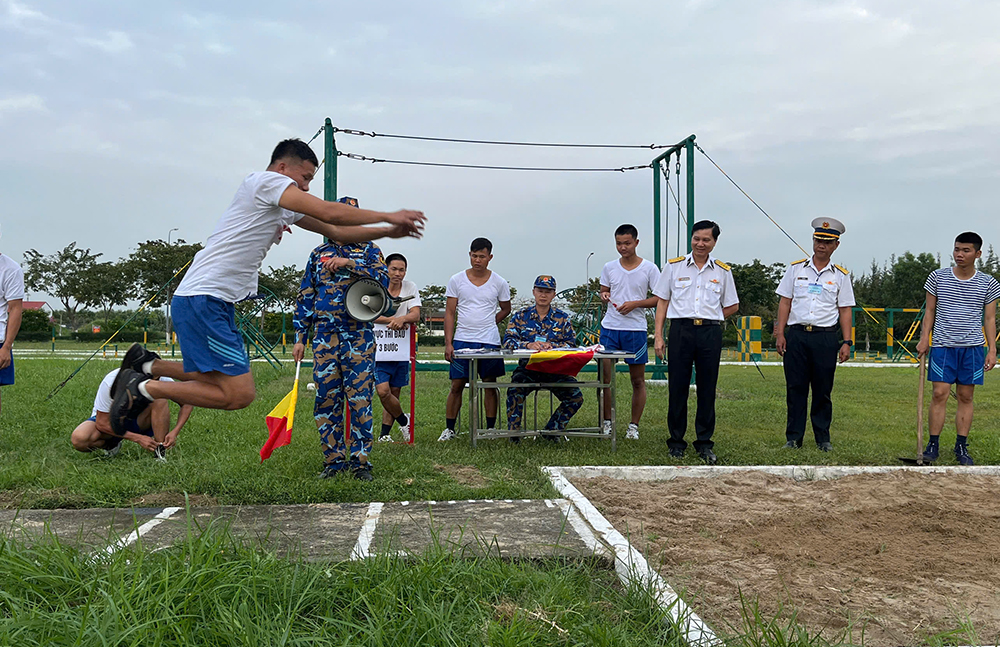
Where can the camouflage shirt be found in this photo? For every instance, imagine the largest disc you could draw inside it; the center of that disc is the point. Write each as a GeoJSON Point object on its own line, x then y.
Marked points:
{"type": "Point", "coordinates": [525, 327]}
{"type": "Point", "coordinates": [321, 305]}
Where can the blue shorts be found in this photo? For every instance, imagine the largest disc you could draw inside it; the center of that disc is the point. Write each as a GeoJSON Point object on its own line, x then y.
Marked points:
{"type": "Point", "coordinates": [7, 374]}
{"type": "Point", "coordinates": [397, 374]}
{"type": "Point", "coordinates": [459, 369]}
{"type": "Point", "coordinates": [630, 341]}
{"type": "Point", "coordinates": [110, 442]}
{"type": "Point", "coordinates": [210, 341]}
{"type": "Point", "coordinates": [958, 365]}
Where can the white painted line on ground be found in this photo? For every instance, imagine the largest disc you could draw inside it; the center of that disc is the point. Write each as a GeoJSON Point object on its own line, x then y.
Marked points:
{"type": "Point", "coordinates": [362, 546]}
{"type": "Point", "coordinates": [582, 529]}
{"type": "Point", "coordinates": [128, 540]}
{"type": "Point", "coordinates": [794, 472]}
{"type": "Point", "coordinates": [631, 566]}
{"type": "Point", "coordinates": [549, 504]}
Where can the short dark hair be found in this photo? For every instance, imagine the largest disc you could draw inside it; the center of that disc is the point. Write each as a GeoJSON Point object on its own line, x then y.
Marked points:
{"type": "Point", "coordinates": [481, 243]}
{"type": "Point", "coordinates": [294, 149]}
{"type": "Point", "coordinates": [970, 237]}
{"type": "Point", "coordinates": [396, 257]}
{"type": "Point", "coordinates": [707, 224]}
{"type": "Point", "coordinates": [627, 230]}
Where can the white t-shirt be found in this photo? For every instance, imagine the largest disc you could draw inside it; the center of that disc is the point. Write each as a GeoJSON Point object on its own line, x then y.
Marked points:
{"type": "Point", "coordinates": [628, 285]}
{"type": "Point", "coordinates": [477, 307]}
{"type": "Point", "coordinates": [227, 268]}
{"type": "Point", "coordinates": [11, 288]}
{"type": "Point", "coordinates": [102, 401]}
{"type": "Point", "coordinates": [408, 289]}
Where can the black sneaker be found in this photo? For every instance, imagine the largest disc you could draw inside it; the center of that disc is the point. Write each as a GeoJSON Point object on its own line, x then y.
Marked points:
{"type": "Point", "coordinates": [363, 473]}
{"type": "Point", "coordinates": [677, 453]}
{"type": "Point", "coordinates": [825, 447]}
{"type": "Point", "coordinates": [931, 452]}
{"type": "Point", "coordinates": [129, 402]}
{"type": "Point", "coordinates": [708, 456]}
{"type": "Point", "coordinates": [330, 471]}
{"type": "Point", "coordinates": [791, 444]}
{"type": "Point", "coordinates": [136, 356]}
{"type": "Point", "coordinates": [962, 455]}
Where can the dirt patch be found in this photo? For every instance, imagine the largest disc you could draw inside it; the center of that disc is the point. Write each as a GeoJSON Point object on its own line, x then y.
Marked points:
{"type": "Point", "coordinates": [172, 499]}
{"type": "Point", "coordinates": [463, 474]}
{"type": "Point", "coordinates": [902, 556]}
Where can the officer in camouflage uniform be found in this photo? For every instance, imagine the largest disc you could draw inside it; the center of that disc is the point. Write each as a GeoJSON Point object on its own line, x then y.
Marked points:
{"type": "Point", "coordinates": [541, 327]}
{"type": "Point", "coordinates": [343, 350]}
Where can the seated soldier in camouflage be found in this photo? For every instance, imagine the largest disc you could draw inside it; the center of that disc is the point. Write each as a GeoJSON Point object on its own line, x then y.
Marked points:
{"type": "Point", "coordinates": [541, 327]}
{"type": "Point", "coordinates": [343, 350]}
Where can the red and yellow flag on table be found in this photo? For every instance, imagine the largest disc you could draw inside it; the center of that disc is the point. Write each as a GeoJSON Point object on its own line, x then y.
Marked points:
{"type": "Point", "coordinates": [562, 362]}
{"type": "Point", "coordinates": [279, 421]}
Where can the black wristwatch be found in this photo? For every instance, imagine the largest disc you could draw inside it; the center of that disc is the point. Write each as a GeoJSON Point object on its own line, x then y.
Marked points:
{"type": "Point", "coordinates": [848, 342]}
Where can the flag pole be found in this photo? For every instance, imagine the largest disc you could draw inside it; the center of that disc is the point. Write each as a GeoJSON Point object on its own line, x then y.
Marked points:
{"type": "Point", "coordinates": [298, 365]}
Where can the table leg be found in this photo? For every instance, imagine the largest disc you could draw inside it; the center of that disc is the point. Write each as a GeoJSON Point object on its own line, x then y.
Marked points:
{"type": "Point", "coordinates": [473, 400]}
{"type": "Point", "coordinates": [614, 408]}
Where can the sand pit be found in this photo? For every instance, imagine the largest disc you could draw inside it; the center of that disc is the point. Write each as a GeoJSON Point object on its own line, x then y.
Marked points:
{"type": "Point", "coordinates": [900, 556]}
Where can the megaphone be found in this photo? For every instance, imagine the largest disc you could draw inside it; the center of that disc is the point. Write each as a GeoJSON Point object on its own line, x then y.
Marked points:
{"type": "Point", "coordinates": [367, 300]}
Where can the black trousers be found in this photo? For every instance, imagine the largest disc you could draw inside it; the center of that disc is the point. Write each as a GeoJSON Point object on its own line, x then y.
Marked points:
{"type": "Point", "coordinates": [810, 361]}
{"type": "Point", "coordinates": [699, 347]}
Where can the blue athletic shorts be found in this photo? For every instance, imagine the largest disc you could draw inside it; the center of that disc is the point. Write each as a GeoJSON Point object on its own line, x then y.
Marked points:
{"type": "Point", "coordinates": [959, 365]}
{"type": "Point", "coordinates": [630, 341]}
{"type": "Point", "coordinates": [210, 341]}
{"type": "Point", "coordinates": [7, 374]}
{"type": "Point", "coordinates": [110, 442]}
{"type": "Point", "coordinates": [397, 374]}
{"type": "Point", "coordinates": [459, 369]}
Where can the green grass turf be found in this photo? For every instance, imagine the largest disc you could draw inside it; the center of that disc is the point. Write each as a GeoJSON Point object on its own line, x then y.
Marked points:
{"type": "Point", "coordinates": [217, 453]}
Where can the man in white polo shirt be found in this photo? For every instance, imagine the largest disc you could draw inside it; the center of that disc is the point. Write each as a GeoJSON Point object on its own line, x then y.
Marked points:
{"type": "Point", "coordinates": [478, 299]}
{"type": "Point", "coordinates": [11, 301]}
{"type": "Point", "coordinates": [696, 292]}
{"type": "Point", "coordinates": [392, 376]}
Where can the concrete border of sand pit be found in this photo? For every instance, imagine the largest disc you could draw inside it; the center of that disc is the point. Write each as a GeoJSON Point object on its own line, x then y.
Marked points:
{"type": "Point", "coordinates": [631, 565]}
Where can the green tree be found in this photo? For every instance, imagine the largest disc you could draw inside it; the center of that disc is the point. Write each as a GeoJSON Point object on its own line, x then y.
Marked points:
{"type": "Point", "coordinates": [155, 262]}
{"type": "Point", "coordinates": [284, 282]}
{"type": "Point", "coordinates": [35, 321]}
{"type": "Point", "coordinates": [756, 284]}
{"type": "Point", "coordinates": [989, 264]}
{"type": "Point", "coordinates": [61, 275]}
{"type": "Point", "coordinates": [107, 285]}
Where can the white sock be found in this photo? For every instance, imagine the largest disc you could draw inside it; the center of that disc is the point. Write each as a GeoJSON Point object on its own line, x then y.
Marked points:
{"type": "Point", "coordinates": [143, 391]}
{"type": "Point", "coordinates": [147, 367]}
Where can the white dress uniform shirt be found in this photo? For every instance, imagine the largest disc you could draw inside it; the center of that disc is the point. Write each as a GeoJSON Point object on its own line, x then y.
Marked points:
{"type": "Point", "coordinates": [816, 295]}
{"type": "Point", "coordinates": [696, 293]}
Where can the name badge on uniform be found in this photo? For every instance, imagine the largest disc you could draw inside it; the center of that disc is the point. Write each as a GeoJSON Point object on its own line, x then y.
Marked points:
{"type": "Point", "coordinates": [540, 338]}
{"type": "Point", "coordinates": [682, 282]}
{"type": "Point", "coordinates": [815, 288]}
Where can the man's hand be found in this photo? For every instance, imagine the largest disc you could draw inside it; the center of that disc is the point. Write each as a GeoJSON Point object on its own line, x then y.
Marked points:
{"type": "Point", "coordinates": [844, 354]}
{"type": "Point", "coordinates": [605, 297]}
{"type": "Point", "coordinates": [412, 220]}
{"type": "Point", "coordinates": [991, 360]}
{"type": "Point", "coordinates": [659, 347]}
{"type": "Point", "coordinates": [449, 352]}
{"type": "Point", "coordinates": [147, 442]}
{"type": "Point", "coordinates": [338, 262]}
{"type": "Point", "coordinates": [780, 344]}
{"type": "Point", "coordinates": [4, 358]}
{"type": "Point", "coordinates": [298, 352]}
{"type": "Point", "coordinates": [626, 307]}
{"type": "Point", "coordinates": [170, 439]}
{"type": "Point", "coordinates": [538, 345]}
{"type": "Point", "coordinates": [402, 231]}
{"type": "Point", "coordinates": [396, 323]}
{"type": "Point", "coordinates": [924, 345]}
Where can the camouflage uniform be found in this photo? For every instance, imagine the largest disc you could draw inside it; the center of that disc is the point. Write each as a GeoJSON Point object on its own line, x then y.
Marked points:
{"type": "Point", "coordinates": [343, 350]}
{"type": "Point", "coordinates": [525, 327]}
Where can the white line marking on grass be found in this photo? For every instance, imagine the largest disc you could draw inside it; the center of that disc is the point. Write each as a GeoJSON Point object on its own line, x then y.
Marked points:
{"type": "Point", "coordinates": [581, 528]}
{"type": "Point", "coordinates": [128, 540]}
{"type": "Point", "coordinates": [794, 472]}
{"type": "Point", "coordinates": [631, 566]}
{"type": "Point", "coordinates": [361, 548]}
{"type": "Point", "coordinates": [549, 504]}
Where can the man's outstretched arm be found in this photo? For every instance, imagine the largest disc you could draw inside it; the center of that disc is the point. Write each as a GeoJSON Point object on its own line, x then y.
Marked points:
{"type": "Point", "coordinates": [338, 213]}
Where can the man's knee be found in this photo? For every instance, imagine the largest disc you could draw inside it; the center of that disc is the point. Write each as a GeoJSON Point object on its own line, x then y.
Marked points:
{"type": "Point", "coordinates": [83, 438]}
{"type": "Point", "coordinates": [382, 390]}
{"type": "Point", "coordinates": [941, 392]}
{"type": "Point", "coordinates": [964, 394]}
{"type": "Point", "coordinates": [457, 387]}
{"type": "Point", "coordinates": [240, 396]}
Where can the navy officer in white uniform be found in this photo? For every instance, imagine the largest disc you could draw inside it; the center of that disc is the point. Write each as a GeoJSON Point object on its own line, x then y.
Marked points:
{"type": "Point", "coordinates": [816, 301]}
{"type": "Point", "coordinates": [696, 292]}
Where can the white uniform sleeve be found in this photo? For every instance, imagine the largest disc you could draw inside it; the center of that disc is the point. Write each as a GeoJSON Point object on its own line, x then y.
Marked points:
{"type": "Point", "coordinates": [846, 296]}
{"type": "Point", "coordinates": [503, 289]}
{"type": "Point", "coordinates": [270, 188]}
{"type": "Point", "coordinates": [452, 289]}
{"type": "Point", "coordinates": [13, 284]}
{"type": "Point", "coordinates": [729, 296]}
{"type": "Point", "coordinates": [664, 283]}
{"type": "Point", "coordinates": [605, 277]}
{"type": "Point", "coordinates": [412, 289]}
{"type": "Point", "coordinates": [785, 287]}
{"type": "Point", "coordinates": [652, 277]}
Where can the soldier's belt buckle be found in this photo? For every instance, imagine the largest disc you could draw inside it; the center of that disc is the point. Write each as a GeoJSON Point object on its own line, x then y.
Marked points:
{"type": "Point", "coordinates": [809, 328]}
{"type": "Point", "coordinates": [697, 322]}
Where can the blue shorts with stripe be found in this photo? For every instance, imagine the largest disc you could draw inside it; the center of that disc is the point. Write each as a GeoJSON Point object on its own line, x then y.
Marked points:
{"type": "Point", "coordinates": [957, 365]}
{"type": "Point", "coordinates": [630, 341]}
{"type": "Point", "coordinates": [459, 368]}
{"type": "Point", "coordinates": [397, 374]}
{"type": "Point", "coordinates": [210, 341]}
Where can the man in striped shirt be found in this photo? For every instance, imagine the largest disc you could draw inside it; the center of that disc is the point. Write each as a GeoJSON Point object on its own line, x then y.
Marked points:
{"type": "Point", "coordinates": [961, 304]}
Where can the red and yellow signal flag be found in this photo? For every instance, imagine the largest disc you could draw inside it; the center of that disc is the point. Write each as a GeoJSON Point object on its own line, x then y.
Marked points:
{"type": "Point", "coordinates": [562, 362]}
{"type": "Point", "coordinates": [279, 421]}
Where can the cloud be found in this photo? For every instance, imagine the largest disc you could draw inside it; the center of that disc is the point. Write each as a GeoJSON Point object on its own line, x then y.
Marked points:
{"type": "Point", "coordinates": [116, 42]}
{"type": "Point", "coordinates": [23, 102]}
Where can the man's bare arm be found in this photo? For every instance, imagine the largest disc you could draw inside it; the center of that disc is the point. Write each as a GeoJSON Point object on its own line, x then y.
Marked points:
{"type": "Point", "coordinates": [728, 311]}
{"type": "Point", "coordinates": [354, 233]}
{"type": "Point", "coordinates": [504, 311]}
{"type": "Point", "coordinates": [338, 213]}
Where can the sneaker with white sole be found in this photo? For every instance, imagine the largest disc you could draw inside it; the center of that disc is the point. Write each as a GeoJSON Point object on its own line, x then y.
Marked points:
{"type": "Point", "coordinates": [404, 430]}
{"type": "Point", "coordinates": [111, 453]}
{"type": "Point", "coordinates": [385, 438]}
{"type": "Point", "coordinates": [633, 431]}
{"type": "Point", "coordinates": [607, 428]}
{"type": "Point", "coordinates": [447, 434]}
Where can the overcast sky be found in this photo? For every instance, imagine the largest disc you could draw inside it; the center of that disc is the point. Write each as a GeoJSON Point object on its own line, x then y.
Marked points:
{"type": "Point", "coordinates": [122, 120]}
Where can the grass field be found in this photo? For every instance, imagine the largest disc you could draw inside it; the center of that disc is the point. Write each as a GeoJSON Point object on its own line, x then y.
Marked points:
{"type": "Point", "coordinates": [217, 459]}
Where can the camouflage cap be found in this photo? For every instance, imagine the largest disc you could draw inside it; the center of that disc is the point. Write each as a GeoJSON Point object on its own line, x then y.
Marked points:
{"type": "Point", "coordinates": [545, 281]}
{"type": "Point", "coordinates": [351, 201]}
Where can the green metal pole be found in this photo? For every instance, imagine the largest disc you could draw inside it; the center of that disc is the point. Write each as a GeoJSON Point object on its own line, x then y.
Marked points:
{"type": "Point", "coordinates": [689, 145]}
{"type": "Point", "coordinates": [330, 168]}
{"type": "Point", "coordinates": [657, 236]}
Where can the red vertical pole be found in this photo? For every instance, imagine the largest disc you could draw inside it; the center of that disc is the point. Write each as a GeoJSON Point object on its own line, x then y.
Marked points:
{"type": "Point", "coordinates": [413, 380]}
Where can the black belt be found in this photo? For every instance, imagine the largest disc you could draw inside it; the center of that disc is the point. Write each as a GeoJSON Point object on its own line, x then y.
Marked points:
{"type": "Point", "coordinates": [697, 322]}
{"type": "Point", "coordinates": [812, 328]}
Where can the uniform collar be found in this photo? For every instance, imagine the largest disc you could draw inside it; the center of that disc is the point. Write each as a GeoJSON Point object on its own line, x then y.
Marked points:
{"type": "Point", "coordinates": [689, 260]}
{"type": "Point", "coordinates": [534, 313]}
{"type": "Point", "coordinates": [829, 266]}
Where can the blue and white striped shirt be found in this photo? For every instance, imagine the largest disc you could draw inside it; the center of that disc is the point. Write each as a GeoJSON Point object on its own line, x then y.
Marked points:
{"type": "Point", "coordinates": [958, 316]}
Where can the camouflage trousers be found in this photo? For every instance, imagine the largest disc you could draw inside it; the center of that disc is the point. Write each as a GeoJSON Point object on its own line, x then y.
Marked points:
{"type": "Point", "coordinates": [344, 370]}
{"type": "Point", "coordinates": [570, 399]}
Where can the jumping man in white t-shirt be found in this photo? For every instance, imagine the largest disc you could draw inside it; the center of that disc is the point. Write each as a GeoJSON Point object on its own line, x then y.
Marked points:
{"type": "Point", "coordinates": [216, 370]}
{"type": "Point", "coordinates": [625, 287]}
{"type": "Point", "coordinates": [391, 377]}
{"type": "Point", "coordinates": [478, 299]}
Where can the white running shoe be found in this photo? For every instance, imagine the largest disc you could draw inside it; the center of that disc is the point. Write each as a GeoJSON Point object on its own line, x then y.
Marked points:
{"type": "Point", "coordinates": [111, 453]}
{"type": "Point", "coordinates": [607, 428]}
{"type": "Point", "coordinates": [633, 431]}
{"type": "Point", "coordinates": [387, 438]}
{"type": "Point", "coordinates": [160, 453]}
{"type": "Point", "coordinates": [404, 430]}
{"type": "Point", "coordinates": [447, 434]}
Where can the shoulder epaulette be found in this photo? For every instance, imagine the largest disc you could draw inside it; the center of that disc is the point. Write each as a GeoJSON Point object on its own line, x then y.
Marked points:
{"type": "Point", "coordinates": [676, 260]}
{"type": "Point", "coordinates": [841, 268]}
{"type": "Point", "coordinates": [800, 261]}
{"type": "Point", "coordinates": [723, 266]}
